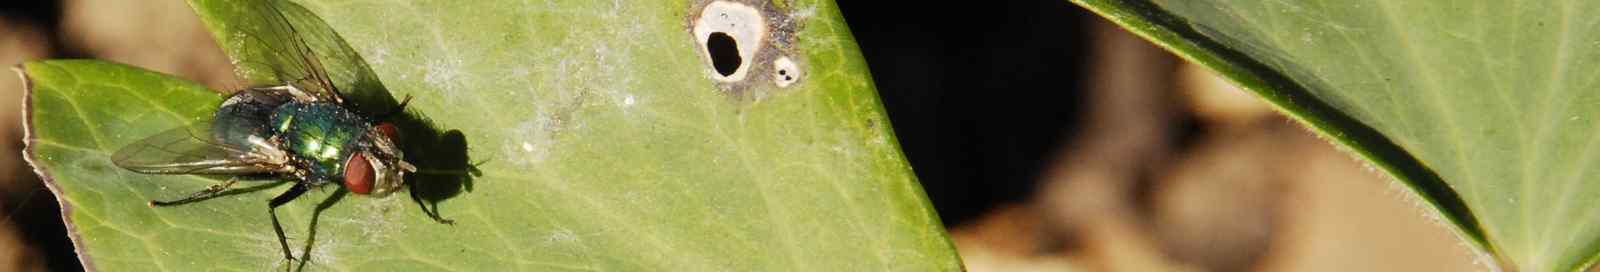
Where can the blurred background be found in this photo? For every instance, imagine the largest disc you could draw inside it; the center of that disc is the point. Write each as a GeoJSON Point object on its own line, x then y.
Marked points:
{"type": "Point", "coordinates": [1047, 138]}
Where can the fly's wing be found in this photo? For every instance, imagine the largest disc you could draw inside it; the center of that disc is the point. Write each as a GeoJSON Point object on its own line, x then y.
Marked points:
{"type": "Point", "coordinates": [291, 60]}
{"type": "Point", "coordinates": [187, 150]}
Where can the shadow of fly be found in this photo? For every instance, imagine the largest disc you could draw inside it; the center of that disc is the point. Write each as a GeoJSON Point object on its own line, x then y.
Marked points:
{"type": "Point", "coordinates": [303, 131]}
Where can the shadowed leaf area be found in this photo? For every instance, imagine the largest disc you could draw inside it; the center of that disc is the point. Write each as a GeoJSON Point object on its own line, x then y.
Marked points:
{"type": "Point", "coordinates": [563, 135]}
{"type": "Point", "coordinates": [1484, 108]}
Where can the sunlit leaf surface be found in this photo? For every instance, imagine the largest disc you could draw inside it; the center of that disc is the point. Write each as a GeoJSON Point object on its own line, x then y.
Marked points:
{"type": "Point", "coordinates": [559, 135]}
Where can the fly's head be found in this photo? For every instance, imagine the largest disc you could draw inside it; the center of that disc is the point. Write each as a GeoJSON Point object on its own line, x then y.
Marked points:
{"type": "Point", "coordinates": [379, 168]}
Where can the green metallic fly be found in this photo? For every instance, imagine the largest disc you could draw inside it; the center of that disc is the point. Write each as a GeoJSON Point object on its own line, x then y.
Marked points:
{"type": "Point", "coordinates": [303, 131]}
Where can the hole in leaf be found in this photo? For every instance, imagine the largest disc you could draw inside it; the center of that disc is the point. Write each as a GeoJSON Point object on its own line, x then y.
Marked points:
{"type": "Point", "coordinates": [724, 53]}
{"type": "Point", "coordinates": [788, 72]}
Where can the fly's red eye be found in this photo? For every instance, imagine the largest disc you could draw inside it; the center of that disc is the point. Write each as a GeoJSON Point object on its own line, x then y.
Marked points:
{"type": "Point", "coordinates": [358, 175]}
{"type": "Point", "coordinates": [388, 130]}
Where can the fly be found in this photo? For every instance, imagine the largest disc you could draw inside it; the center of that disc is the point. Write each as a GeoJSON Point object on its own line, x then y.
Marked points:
{"type": "Point", "coordinates": [303, 131]}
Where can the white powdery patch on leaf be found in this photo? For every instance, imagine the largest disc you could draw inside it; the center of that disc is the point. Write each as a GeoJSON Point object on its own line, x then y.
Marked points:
{"type": "Point", "coordinates": [598, 61]}
{"type": "Point", "coordinates": [520, 72]}
{"type": "Point", "coordinates": [378, 56]}
{"type": "Point", "coordinates": [530, 142]}
{"type": "Point", "coordinates": [563, 236]}
{"type": "Point", "coordinates": [613, 62]}
{"type": "Point", "coordinates": [376, 220]}
{"type": "Point", "coordinates": [266, 249]}
{"type": "Point", "coordinates": [804, 14]}
{"type": "Point", "coordinates": [323, 252]}
{"type": "Point", "coordinates": [446, 74]}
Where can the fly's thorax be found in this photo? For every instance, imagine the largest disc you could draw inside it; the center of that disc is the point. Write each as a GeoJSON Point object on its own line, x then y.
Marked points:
{"type": "Point", "coordinates": [332, 143]}
{"type": "Point", "coordinates": [321, 136]}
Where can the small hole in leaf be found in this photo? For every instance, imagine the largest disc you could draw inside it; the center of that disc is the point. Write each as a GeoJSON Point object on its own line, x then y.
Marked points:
{"type": "Point", "coordinates": [724, 53]}
{"type": "Point", "coordinates": [787, 73]}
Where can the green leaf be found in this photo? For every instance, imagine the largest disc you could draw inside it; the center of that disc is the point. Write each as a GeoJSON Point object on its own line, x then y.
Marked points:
{"type": "Point", "coordinates": [579, 135]}
{"type": "Point", "coordinates": [1484, 108]}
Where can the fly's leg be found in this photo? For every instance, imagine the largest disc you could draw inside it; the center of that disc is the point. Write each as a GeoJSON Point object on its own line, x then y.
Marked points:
{"type": "Point", "coordinates": [209, 192]}
{"type": "Point", "coordinates": [272, 206]}
{"type": "Point", "coordinates": [397, 109]}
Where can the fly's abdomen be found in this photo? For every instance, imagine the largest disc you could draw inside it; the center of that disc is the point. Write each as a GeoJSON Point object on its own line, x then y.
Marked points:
{"type": "Point", "coordinates": [245, 115]}
{"type": "Point", "coordinates": [323, 135]}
